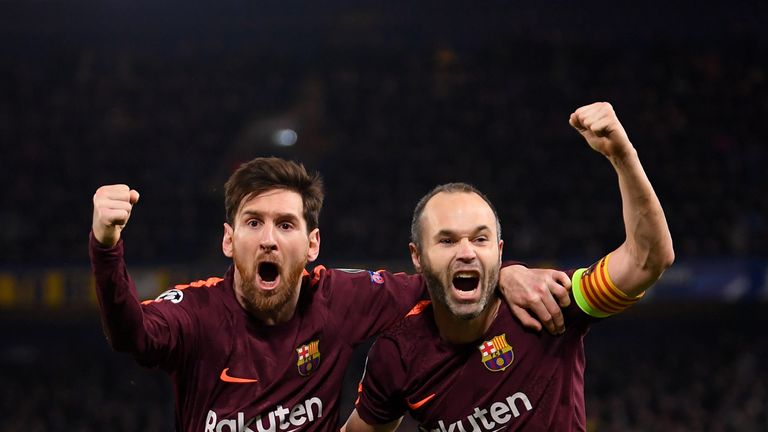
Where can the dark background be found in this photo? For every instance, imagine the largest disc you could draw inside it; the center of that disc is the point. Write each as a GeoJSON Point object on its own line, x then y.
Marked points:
{"type": "Point", "coordinates": [388, 99]}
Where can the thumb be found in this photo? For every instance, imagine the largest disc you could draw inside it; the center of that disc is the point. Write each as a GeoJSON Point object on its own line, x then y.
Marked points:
{"type": "Point", "coordinates": [134, 196]}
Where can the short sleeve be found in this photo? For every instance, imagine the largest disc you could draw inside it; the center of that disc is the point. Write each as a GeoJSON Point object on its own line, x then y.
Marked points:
{"type": "Point", "coordinates": [381, 397]}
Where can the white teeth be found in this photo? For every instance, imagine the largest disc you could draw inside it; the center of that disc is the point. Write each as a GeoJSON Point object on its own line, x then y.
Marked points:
{"type": "Point", "coordinates": [465, 275]}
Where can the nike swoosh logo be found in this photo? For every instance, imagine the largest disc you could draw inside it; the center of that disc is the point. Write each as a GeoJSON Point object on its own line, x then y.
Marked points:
{"type": "Point", "coordinates": [417, 405]}
{"type": "Point", "coordinates": [228, 378]}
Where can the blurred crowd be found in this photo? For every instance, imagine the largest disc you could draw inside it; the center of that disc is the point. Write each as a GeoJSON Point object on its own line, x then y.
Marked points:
{"type": "Point", "coordinates": [62, 376]}
{"type": "Point", "coordinates": [383, 126]}
{"type": "Point", "coordinates": [684, 369]}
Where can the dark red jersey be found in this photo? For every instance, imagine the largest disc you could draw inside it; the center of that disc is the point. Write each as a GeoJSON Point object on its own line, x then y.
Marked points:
{"type": "Point", "coordinates": [510, 379]}
{"type": "Point", "coordinates": [230, 372]}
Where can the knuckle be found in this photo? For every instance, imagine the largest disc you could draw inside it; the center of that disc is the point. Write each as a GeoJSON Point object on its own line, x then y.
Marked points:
{"type": "Point", "coordinates": [531, 298]}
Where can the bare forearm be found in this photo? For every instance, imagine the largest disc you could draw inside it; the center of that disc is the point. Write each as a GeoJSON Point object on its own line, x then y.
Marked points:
{"type": "Point", "coordinates": [647, 250]}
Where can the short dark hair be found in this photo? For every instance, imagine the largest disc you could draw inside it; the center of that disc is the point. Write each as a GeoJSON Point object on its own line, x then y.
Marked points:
{"type": "Point", "coordinates": [447, 188]}
{"type": "Point", "coordinates": [262, 174]}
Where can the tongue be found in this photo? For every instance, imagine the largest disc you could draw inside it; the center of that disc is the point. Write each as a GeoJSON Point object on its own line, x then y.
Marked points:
{"type": "Point", "coordinates": [465, 284]}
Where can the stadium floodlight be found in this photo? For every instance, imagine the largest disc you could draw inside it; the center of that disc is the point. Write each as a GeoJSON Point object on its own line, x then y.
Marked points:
{"type": "Point", "coordinates": [285, 137]}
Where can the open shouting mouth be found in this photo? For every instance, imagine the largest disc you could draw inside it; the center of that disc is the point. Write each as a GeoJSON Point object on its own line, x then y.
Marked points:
{"type": "Point", "coordinates": [466, 282]}
{"type": "Point", "coordinates": [268, 275]}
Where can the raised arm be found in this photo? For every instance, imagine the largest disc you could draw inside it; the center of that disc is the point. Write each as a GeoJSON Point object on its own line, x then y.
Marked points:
{"type": "Point", "coordinates": [647, 250]}
{"type": "Point", "coordinates": [148, 335]}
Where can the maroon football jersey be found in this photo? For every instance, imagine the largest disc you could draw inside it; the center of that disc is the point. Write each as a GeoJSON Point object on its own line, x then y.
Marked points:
{"type": "Point", "coordinates": [230, 372]}
{"type": "Point", "coordinates": [510, 379]}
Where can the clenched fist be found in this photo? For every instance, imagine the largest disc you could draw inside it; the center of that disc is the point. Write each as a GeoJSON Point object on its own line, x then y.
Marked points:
{"type": "Point", "coordinates": [598, 124]}
{"type": "Point", "coordinates": [112, 206]}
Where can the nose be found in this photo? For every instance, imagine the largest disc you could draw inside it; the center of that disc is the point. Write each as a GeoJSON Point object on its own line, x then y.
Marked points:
{"type": "Point", "coordinates": [268, 242]}
{"type": "Point", "coordinates": [466, 251]}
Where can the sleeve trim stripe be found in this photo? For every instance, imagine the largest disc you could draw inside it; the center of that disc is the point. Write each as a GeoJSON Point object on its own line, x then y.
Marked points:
{"type": "Point", "coordinates": [359, 393]}
{"type": "Point", "coordinates": [317, 272]}
{"type": "Point", "coordinates": [207, 283]}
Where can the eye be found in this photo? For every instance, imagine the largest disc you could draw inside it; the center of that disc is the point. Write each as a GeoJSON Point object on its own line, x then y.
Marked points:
{"type": "Point", "coordinates": [446, 241]}
{"type": "Point", "coordinates": [253, 223]}
{"type": "Point", "coordinates": [481, 239]}
{"type": "Point", "coordinates": [286, 226]}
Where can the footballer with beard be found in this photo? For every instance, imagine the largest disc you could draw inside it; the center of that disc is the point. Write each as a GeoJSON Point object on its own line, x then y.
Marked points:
{"type": "Point", "coordinates": [266, 346]}
{"type": "Point", "coordinates": [462, 362]}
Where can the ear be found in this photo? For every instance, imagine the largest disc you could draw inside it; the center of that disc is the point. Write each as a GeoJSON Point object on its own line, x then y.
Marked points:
{"type": "Point", "coordinates": [501, 249]}
{"type": "Point", "coordinates": [226, 241]}
{"type": "Point", "coordinates": [415, 257]}
{"type": "Point", "coordinates": [314, 245]}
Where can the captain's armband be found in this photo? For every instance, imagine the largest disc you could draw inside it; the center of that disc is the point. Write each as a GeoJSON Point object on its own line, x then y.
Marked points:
{"type": "Point", "coordinates": [595, 292]}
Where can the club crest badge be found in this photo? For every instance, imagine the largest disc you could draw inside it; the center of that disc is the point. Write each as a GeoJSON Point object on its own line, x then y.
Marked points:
{"type": "Point", "coordinates": [309, 357]}
{"type": "Point", "coordinates": [497, 354]}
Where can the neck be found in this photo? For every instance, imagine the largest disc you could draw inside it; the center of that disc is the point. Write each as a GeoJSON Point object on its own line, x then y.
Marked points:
{"type": "Point", "coordinates": [459, 331]}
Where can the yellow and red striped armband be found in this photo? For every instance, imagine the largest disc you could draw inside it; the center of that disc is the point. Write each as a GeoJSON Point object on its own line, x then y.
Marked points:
{"type": "Point", "coordinates": [595, 292]}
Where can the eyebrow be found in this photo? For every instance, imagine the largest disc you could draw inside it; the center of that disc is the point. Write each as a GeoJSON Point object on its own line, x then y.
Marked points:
{"type": "Point", "coordinates": [447, 232]}
{"type": "Point", "coordinates": [254, 213]}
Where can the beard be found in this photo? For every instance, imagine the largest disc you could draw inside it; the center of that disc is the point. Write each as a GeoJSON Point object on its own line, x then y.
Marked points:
{"type": "Point", "coordinates": [258, 301]}
{"type": "Point", "coordinates": [440, 284]}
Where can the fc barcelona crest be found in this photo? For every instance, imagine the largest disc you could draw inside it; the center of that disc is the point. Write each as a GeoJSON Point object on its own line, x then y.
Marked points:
{"type": "Point", "coordinates": [309, 357]}
{"type": "Point", "coordinates": [497, 354]}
